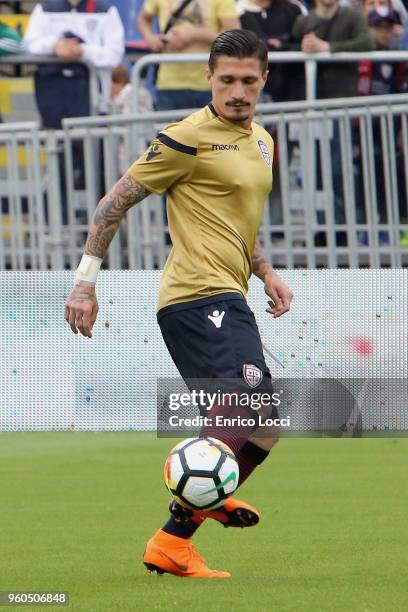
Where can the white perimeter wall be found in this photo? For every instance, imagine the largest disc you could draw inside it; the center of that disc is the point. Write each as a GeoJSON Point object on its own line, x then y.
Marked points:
{"type": "Point", "coordinates": [343, 324]}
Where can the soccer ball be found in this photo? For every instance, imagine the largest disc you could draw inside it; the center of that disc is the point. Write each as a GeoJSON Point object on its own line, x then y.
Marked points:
{"type": "Point", "coordinates": [201, 473]}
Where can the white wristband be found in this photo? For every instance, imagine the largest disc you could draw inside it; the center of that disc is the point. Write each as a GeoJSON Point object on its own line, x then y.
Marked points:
{"type": "Point", "coordinates": [88, 268]}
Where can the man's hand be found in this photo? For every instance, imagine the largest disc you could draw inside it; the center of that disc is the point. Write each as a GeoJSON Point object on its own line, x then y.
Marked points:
{"type": "Point", "coordinates": [275, 43]}
{"type": "Point", "coordinates": [81, 309]}
{"type": "Point", "coordinates": [397, 30]}
{"type": "Point", "coordinates": [280, 293]}
{"type": "Point", "coordinates": [68, 49]}
{"type": "Point", "coordinates": [313, 44]}
{"type": "Point", "coordinates": [179, 39]}
{"type": "Point", "coordinates": [155, 42]}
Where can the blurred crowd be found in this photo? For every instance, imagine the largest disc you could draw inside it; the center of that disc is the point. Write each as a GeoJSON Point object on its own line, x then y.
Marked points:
{"type": "Point", "coordinates": [89, 33]}
{"type": "Point", "coordinates": [85, 35]}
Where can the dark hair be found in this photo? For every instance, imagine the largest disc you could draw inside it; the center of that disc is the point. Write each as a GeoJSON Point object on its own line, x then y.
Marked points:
{"type": "Point", "coordinates": [240, 44]}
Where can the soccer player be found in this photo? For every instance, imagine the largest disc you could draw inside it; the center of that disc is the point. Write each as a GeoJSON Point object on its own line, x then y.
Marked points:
{"type": "Point", "coordinates": [216, 167]}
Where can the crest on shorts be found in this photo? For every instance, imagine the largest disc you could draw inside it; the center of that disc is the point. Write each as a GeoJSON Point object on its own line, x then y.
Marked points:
{"type": "Point", "coordinates": [252, 375]}
{"type": "Point", "coordinates": [265, 151]}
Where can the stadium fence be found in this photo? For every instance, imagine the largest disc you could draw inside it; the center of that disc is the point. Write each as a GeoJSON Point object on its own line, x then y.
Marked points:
{"type": "Point", "coordinates": [354, 150]}
{"type": "Point", "coordinates": [309, 61]}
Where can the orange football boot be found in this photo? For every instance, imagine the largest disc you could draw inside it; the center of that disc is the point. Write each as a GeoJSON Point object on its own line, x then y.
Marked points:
{"type": "Point", "coordinates": [234, 513]}
{"type": "Point", "coordinates": [168, 553]}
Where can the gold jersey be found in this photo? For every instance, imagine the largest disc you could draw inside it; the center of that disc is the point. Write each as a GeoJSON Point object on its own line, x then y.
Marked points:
{"type": "Point", "coordinates": [217, 176]}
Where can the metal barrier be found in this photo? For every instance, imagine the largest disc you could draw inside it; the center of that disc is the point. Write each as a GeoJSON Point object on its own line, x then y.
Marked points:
{"type": "Point", "coordinates": [22, 206]}
{"type": "Point", "coordinates": [355, 216]}
{"type": "Point", "coordinates": [339, 196]}
{"type": "Point", "coordinates": [300, 226]}
{"type": "Point", "coordinates": [310, 61]}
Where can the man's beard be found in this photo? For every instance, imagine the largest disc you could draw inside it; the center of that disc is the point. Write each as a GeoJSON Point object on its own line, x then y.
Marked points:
{"type": "Point", "coordinates": [238, 119]}
{"type": "Point", "coordinates": [241, 117]}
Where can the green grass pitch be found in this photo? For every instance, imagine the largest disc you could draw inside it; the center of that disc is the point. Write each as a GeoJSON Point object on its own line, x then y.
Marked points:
{"type": "Point", "coordinates": [77, 508]}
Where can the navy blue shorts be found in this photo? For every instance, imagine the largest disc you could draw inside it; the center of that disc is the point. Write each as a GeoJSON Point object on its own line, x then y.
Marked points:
{"type": "Point", "coordinates": [216, 338]}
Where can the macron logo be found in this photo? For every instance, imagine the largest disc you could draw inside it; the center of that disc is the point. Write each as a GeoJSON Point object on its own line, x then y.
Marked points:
{"type": "Point", "coordinates": [225, 147]}
{"type": "Point", "coordinates": [217, 317]}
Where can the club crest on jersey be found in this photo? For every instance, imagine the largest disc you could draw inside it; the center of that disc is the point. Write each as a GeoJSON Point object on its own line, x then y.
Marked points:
{"type": "Point", "coordinates": [253, 375]}
{"type": "Point", "coordinates": [265, 151]}
{"type": "Point", "coordinates": [153, 152]}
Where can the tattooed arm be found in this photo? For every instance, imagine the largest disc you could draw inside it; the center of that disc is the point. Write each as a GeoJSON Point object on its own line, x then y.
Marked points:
{"type": "Point", "coordinates": [280, 294]}
{"type": "Point", "coordinates": [109, 213]}
{"type": "Point", "coordinates": [81, 307]}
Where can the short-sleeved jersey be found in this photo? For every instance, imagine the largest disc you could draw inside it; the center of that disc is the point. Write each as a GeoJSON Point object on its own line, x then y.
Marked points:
{"type": "Point", "coordinates": [217, 176]}
{"type": "Point", "coordinates": [199, 13]}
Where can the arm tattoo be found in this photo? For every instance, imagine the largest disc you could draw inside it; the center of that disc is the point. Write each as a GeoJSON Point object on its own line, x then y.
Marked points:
{"type": "Point", "coordinates": [110, 210]}
{"type": "Point", "coordinates": [260, 264]}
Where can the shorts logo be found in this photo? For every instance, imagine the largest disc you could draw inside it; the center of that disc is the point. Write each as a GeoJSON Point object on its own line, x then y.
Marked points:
{"type": "Point", "coordinates": [253, 375]}
{"type": "Point", "coordinates": [265, 151]}
{"type": "Point", "coordinates": [217, 317]}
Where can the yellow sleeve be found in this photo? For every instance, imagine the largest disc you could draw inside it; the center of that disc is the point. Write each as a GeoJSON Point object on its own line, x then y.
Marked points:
{"type": "Point", "coordinates": [170, 159]}
{"type": "Point", "coordinates": [226, 9]}
{"type": "Point", "coordinates": [272, 146]}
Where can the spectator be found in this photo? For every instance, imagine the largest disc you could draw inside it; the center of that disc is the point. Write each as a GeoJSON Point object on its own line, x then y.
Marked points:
{"type": "Point", "coordinates": [380, 78]}
{"type": "Point", "coordinates": [331, 28]}
{"type": "Point", "coordinates": [395, 7]}
{"type": "Point", "coordinates": [122, 93]}
{"type": "Point", "coordinates": [190, 31]}
{"type": "Point", "coordinates": [82, 34]}
{"type": "Point", "coordinates": [272, 21]}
